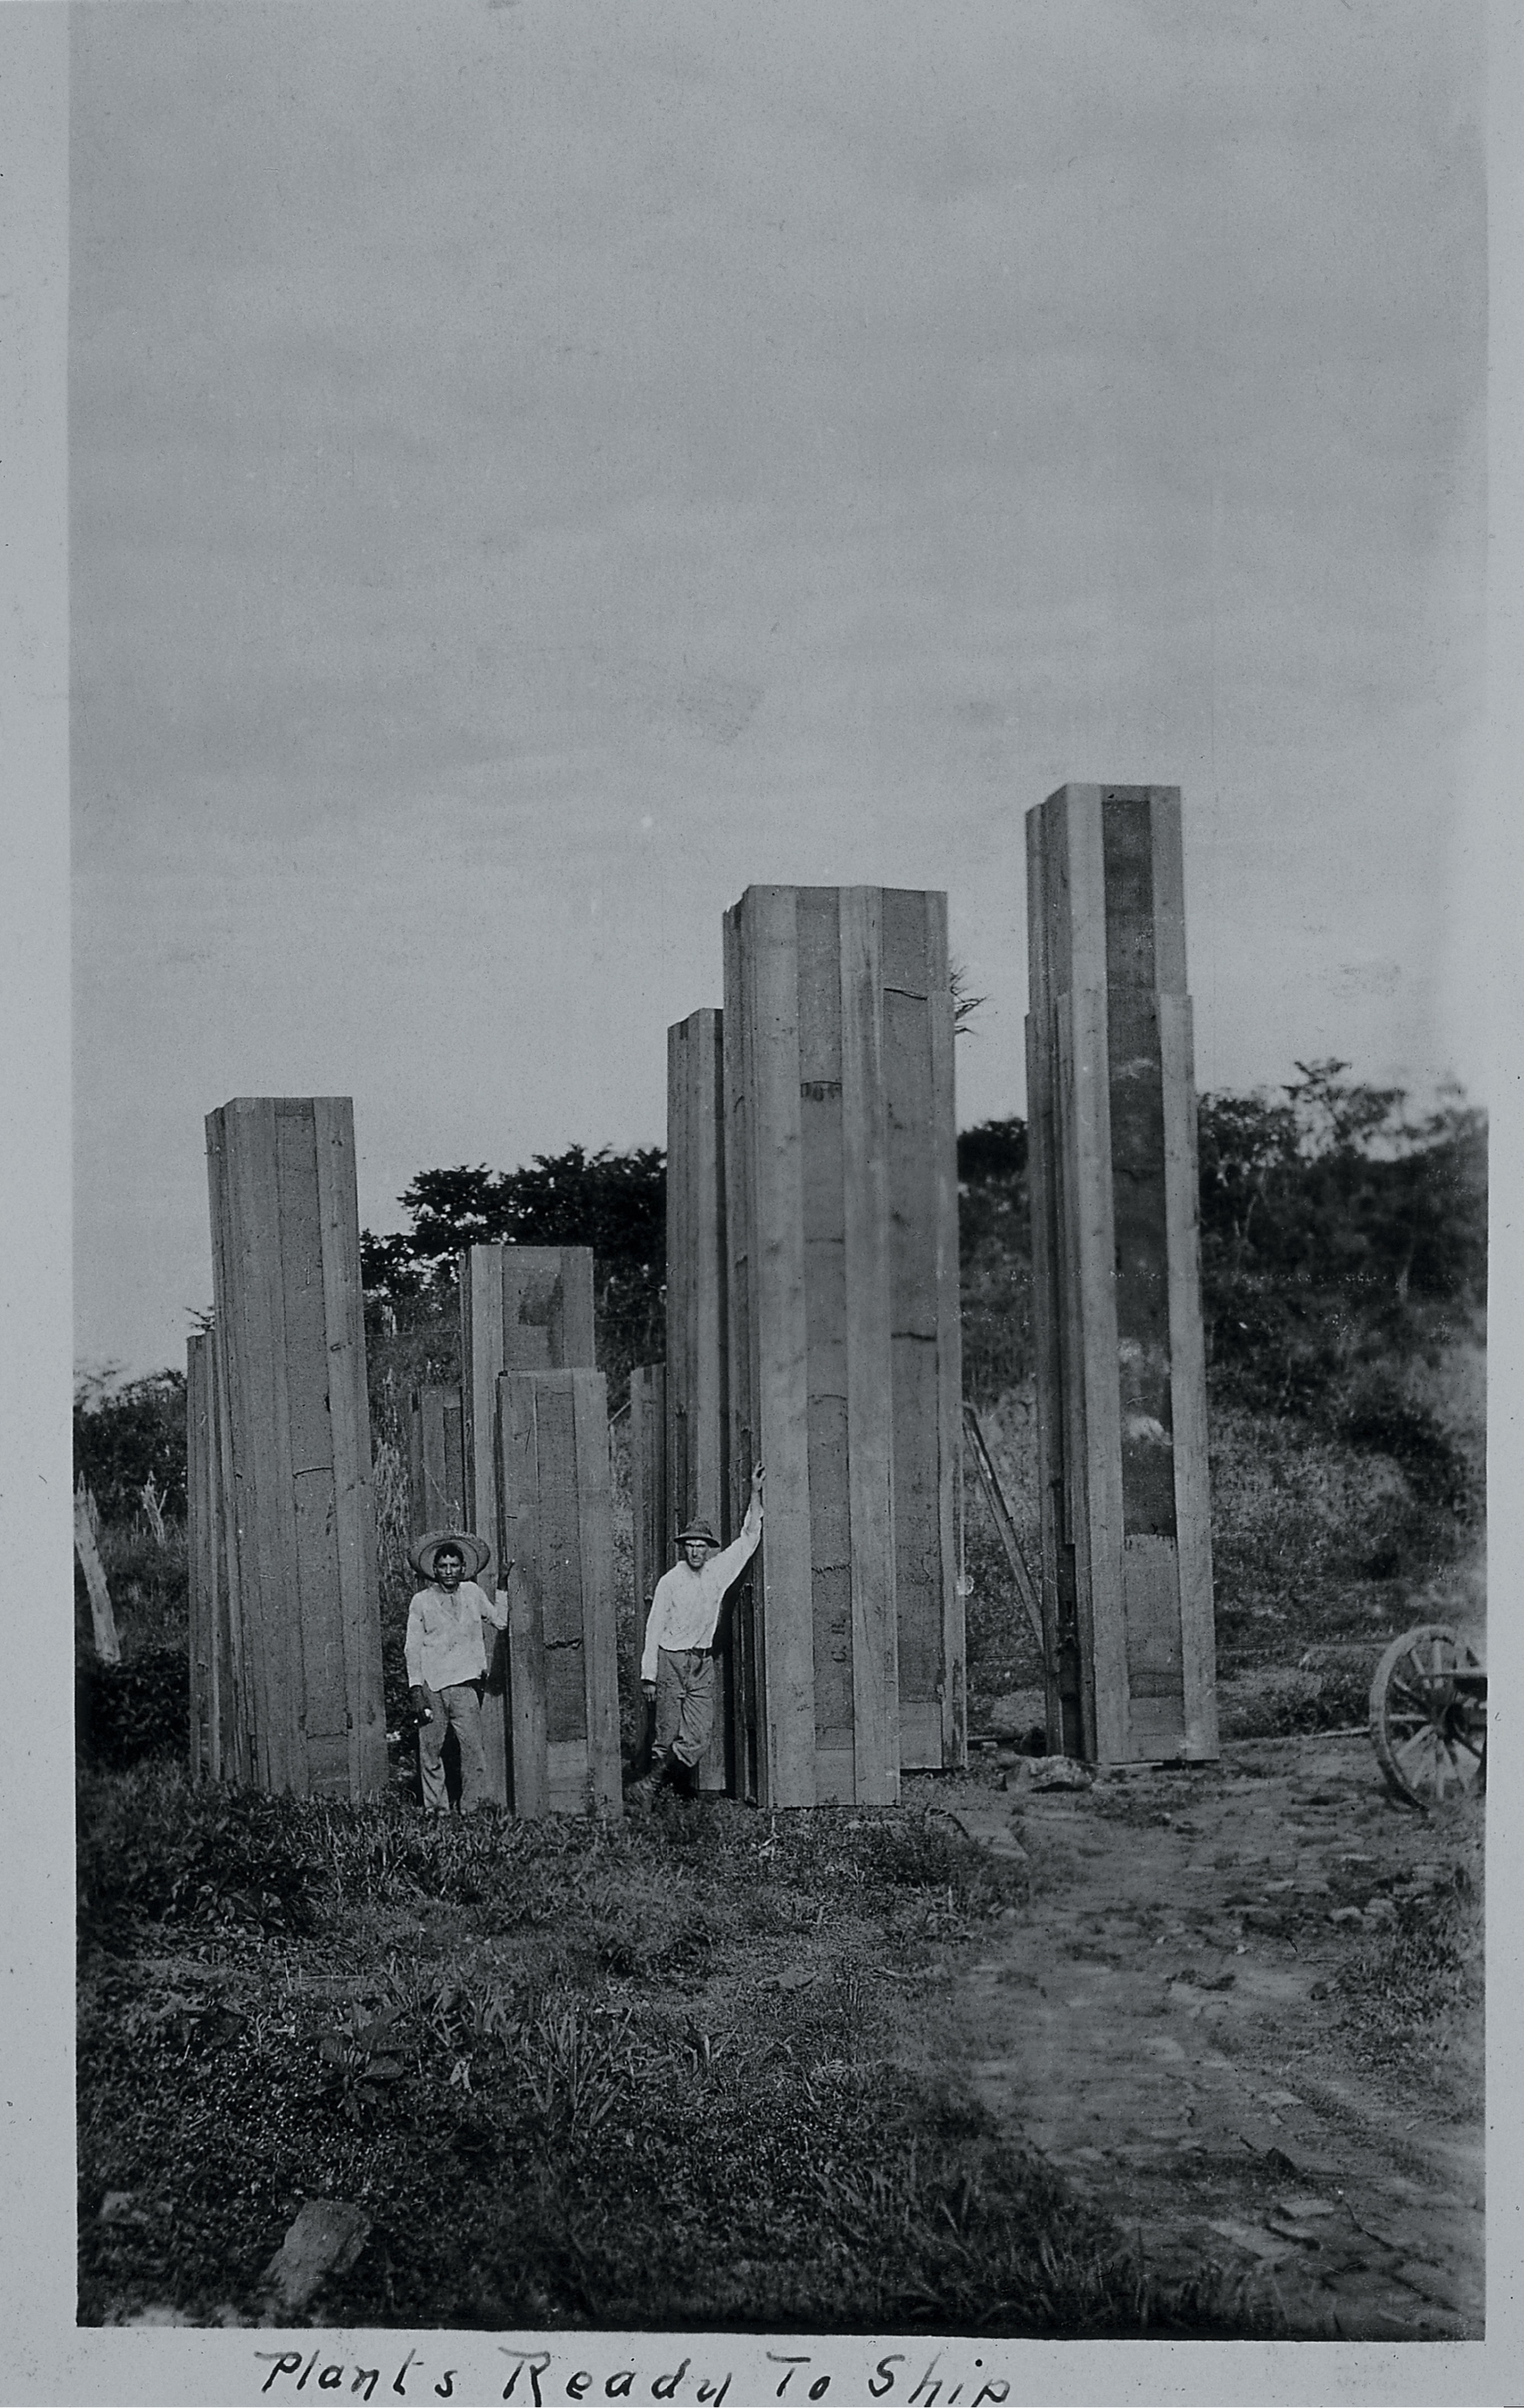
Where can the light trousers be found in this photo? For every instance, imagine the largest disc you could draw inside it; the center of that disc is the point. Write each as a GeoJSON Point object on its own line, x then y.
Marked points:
{"type": "Point", "coordinates": [457, 1709]}
{"type": "Point", "coordinates": [685, 1691]}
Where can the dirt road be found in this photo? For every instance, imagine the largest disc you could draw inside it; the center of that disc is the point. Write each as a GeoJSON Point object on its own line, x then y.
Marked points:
{"type": "Point", "coordinates": [1164, 2025]}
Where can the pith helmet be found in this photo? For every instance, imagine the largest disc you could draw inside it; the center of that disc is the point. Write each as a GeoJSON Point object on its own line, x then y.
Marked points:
{"type": "Point", "coordinates": [473, 1552]}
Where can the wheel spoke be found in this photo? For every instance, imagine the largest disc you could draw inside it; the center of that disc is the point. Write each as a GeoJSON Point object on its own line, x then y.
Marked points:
{"type": "Point", "coordinates": [1419, 1696]}
{"type": "Point", "coordinates": [1421, 1740]}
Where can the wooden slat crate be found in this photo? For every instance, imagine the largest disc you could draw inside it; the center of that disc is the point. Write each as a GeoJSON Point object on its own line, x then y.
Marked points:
{"type": "Point", "coordinates": [294, 1444]}
{"type": "Point", "coordinates": [1127, 1558]}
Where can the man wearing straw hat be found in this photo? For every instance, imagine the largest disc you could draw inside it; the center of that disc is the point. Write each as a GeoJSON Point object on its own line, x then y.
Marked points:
{"type": "Point", "coordinates": [447, 1661]}
{"type": "Point", "coordinates": [677, 1667]}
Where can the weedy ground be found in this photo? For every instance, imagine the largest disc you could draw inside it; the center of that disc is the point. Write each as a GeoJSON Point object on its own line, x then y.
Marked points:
{"type": "Point", "coordinates": [665, 2073]}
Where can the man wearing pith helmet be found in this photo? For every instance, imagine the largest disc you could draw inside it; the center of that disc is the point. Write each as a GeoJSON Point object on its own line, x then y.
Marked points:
{"type": "Point", "coordinates": [447, 1661]}
{"type": "Point", "coordinates": [677, 1668]}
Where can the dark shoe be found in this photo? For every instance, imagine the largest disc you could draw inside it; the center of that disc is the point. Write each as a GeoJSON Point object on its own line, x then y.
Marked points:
{"type": "Point", "coordinates": [641, 1793]}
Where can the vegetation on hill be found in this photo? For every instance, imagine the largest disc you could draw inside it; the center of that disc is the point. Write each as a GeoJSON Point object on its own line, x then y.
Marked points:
{"type": "Point", "coordinates": [1343, 1288]}
{"type": "Point", "coordinates": [1343, 1268]}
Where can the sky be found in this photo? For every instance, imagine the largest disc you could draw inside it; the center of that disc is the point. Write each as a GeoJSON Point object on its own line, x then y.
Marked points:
{"type": "Point", "coordinates": [536, 469]}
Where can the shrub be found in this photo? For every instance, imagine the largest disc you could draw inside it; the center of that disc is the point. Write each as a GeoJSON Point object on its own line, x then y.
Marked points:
{"type": "Point", "coordinates": [129, 1710]}
{"type": "Point", "coordinates": [153, 1849]}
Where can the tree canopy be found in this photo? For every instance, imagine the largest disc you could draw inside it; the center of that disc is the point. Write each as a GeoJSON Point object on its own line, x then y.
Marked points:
{"type": "Point", "coordinates": [615, 1203]}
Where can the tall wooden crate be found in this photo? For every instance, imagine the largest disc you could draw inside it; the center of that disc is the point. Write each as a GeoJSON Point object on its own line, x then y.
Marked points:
{"type": "Point", "coordinates": [699, 1472]}
{"type": "Point", "coordinates": [522, 1309]}
{"type": "Point", "coordinates": [556, 1529]}
{"type": "Point", "coordinates": [1127, 1553]}
{"type": "Point", "coordinates": [833, 1244]}
{"type": "Point", "coordinates": [649, 1514]}
{"type": "Point", "coordinates": [294, 1442]}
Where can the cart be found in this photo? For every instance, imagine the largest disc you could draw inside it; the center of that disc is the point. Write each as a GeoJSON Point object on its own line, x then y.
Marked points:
{"type": "Point", "coordinates": [1428, 1715]}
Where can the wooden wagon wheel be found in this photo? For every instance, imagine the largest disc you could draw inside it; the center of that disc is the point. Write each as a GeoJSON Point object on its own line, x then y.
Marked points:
{"type": "Point", "coordinates": [1428, 1714]}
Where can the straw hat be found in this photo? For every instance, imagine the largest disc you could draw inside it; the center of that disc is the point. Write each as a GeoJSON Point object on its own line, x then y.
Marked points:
{"type": "Point", "coordinates": [473, 1552]}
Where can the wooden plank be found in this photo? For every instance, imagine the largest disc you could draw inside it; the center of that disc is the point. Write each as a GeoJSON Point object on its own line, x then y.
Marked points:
{"type": "Point", "coordinates": [519, 1483]}
{"type": "Point", "coordinates": [681, 1278]}
{"type": "Point", "coordinates": [1077, 1531]}
{"type": "Point", "coordinates": [743, 1411]}
{"type": "Point", "coordinates": [480, 1290]}
{"type": "Point", "coordinates": [482, 1367]}
{"type": "Point", "coordinates": [911, 1201]}
{"type": "Point", "coordinates": [348, 1407]}
{"type": "Point", "coordinates": [320, 1704]}
{"type": "Point", "coordinates": [818, 993]}
{"type": "Point", "coordinates": [246, 1761]}
{"type": "Point", "coordinates": [648, 1503]}
{"type": "Point", "coordinates": [200, 1638]}
{"type": "Point", "coordinates": [942, 1137]}
{"type": "Point", "coordinates": [1188, 1360]}
{"type": "Point", "coordinates": [1101, 1462]}
{"type": "Point", "coordinates": [1081, 856]}
{"type": "Point", "coordinates": [237, 1691]}
{"type": "Point", "coordinates": [1061, 1638]}
{"type": "Point", "coordinates": [249, 1308]}
{"type": "Point", "coordinates": [917, 1049]}
{"type": "Point", "coordinates": [101, 1619]}
{"type": "Point", "coordinates": [870, 1391]}
{"type": "Point", "coordinates": [769, 1004]}
{"type": "Point", "coordinates": [595, 1544]}
{"type": "Point", "coordinates": [436, 1463]}
{"type": "Point", "coordinates": [547, 1307]}
{"type": "Point", "coordinates": [1065, 813]}
{"type": "Point", "coordinates": [1169, 884]}
{"type": "Point", "coordinates": [698, 1419]}
{"type": "Point", "coordinates": [200, 1559]}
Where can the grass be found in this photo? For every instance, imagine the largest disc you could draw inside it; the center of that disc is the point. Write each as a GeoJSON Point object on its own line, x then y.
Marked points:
{"type": "Point", "coordinates": [655, 2075]}
{"type": "Point", "coordinates": [1413, 1998]}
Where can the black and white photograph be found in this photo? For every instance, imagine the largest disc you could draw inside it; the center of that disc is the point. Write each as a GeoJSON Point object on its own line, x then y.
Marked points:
{"type": "Point", "coordinates": [783, 1018]}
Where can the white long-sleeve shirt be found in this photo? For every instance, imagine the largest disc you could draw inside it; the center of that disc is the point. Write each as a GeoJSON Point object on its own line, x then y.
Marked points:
{"type": "Point", "coordinates": [445, 1643]}
{"type": "Point", "coordinates": [685, 1604]}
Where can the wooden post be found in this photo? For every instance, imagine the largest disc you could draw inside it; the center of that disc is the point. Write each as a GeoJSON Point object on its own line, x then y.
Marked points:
{"type": "Point", "coordinates": [522, 1309]}
{"type": "Point", "coordinates": [556, 1529]}
{"type": "Point", "coordinates": [841, 1238]}
{"type": "Point", "coordinates": [1126, 1564]}
{"type": "Point", "coordinates": [699, 1482]}
{"type": "Point", "coordinates": [101, 1619]}
{"type": "Point", "coordinates": [294, 1442]}
{"type": "Point", "coordinates": [649, 1508]}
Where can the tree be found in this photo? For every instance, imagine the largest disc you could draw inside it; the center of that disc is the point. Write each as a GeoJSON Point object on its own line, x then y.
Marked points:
{"type": "Point", "coordinates": [125, 1437]}
{"type": "Point", "coordinates": [615, 1203]}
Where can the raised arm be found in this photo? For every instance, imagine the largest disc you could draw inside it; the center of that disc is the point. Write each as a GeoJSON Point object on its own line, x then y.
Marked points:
{"type": "Point", "coordinates": [740, 1549]}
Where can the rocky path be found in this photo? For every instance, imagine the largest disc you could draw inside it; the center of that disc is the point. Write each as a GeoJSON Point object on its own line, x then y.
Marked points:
{"type": "Point", "coordinates": [1162, 2024]}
